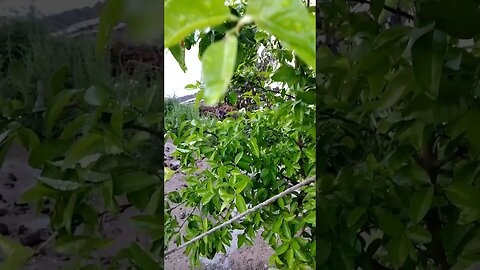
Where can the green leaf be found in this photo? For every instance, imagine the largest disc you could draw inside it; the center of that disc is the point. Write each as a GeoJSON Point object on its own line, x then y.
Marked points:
{"type": "Point", "coordinates": [355, 215]}
{"type": "Point", "coordinates": [88, 144]}
{"type": "Point", "coordinates": [290, 22]}
{"type": "Point", "coordinates": [241, 240]}
{"type": "Point", "coordinates": [420, 203]}
{"type": "Point", "coordinates": [240, 203]}
{"type": "Point", "coordinates": [82, 245]}
{"type": "Point", "coordinates": [117, 123]}
{"type": "Point", "coordinates": [396, 88]}
{"type": "Point", "coordinates": [389, 223]}
{"type": "Point", "coordinates": [284, 74]}
{"type": "Point", "coordinates": [152, 224]}
{"type": "Point", "coordinates": [218, 64]}
{"type": "Point", "coordinates": [182, 17]}
{"type": "Point", "coordinates": [207, 197]}
{"type": "Point", "coordinates": [376, 6]}
{"type": "Point", "coordinates": [14, 254]}
{"type": "Point", "coordinates": [110, 16]}
{"type": "Point", "coordinates": [68, 212]}
{"type": "Point", "coordinates": [168, 173]}
{"type": "Point", "coordinates": [59, 184]}
{"type": "Point", "coordinates": [59, 101]}
{"type": "Point", "coordinates": [419, 235]}
{"type": "Point", "coordinates": [390, 35]}
{"type": "Point", "coordinates": [290, 258]}
{"type": "Point", "coordinates": [179, 53]}
{"type": "Point", "coordinates": [238, 157]}
{"type": "Point", "coordinates": [467, 198]}
{"type": "Point", "coordinates": [58, 79]}
{"type": "Point", "coordinates": [428, 54]}
{"type": "Point", "coordinates": [254, 147]}
{"type": "Point", "coordinates": [282, 248]}
{"type": "Point", "coordinates": [311, 218]}
{"type": "Point", "coordinates": [242, 184]}
{"type": "Point", "coordinates": [96, 95]}
{"type": "Point", "coordinates": [398, 249]}
{"type": "Point", "coordinates": [134, 181]}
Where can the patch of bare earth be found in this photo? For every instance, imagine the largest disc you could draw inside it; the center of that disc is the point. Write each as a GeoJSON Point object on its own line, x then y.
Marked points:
{"type": "Point", "coordinates": [18, 222]}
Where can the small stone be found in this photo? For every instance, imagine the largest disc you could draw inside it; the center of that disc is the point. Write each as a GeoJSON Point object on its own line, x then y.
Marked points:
{"type": "Point", "coordinates": [34, 238]}
{"type": "Point", "coordinates": [4, 229]}
{"type": "Point", "coordinates": [12, 177]}
{"type": "Point", "coordinates": [22, 229]}
{"type": "Point", "coordinates": [182, 215]}
{"type": "Point", "coordinates": [9, 185]}
{"type": "Point", "coordinates": [45, 211]}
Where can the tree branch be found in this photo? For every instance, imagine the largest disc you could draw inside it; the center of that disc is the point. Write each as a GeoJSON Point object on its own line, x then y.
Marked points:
{"type": "Point", "coordinates": [249, 211]}
{"type": "Point", "coordinates": [391, 9]}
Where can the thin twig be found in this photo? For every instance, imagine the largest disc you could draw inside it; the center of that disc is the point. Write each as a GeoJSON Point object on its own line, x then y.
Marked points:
{"type": "Point", "coordinates": [183, 223]}
{"type": "Point", "coordinates": [391, 9]}
{"type": "Point", "coordinates": [44, 244]}
{"type": "Point", "coordinates": [249, 211]}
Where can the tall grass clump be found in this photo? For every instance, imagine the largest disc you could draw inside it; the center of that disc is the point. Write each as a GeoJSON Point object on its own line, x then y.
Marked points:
{"type": "Point", "coordinates": [176, 114]}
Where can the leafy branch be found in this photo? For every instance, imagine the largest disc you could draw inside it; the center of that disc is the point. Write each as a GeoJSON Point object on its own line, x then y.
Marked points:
{"type": "Point", "coordinates": [249, 211]}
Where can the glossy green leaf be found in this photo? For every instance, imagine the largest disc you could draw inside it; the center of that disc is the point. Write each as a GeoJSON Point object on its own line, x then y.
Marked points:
{"type": "Point", "coordinates": [238, 157]}
{"type": "Point", "coordinates": [420, 203]}
{"type": "Point", "coordinates": [80, 244]}
{"type": "Point", "coordinates": [428, 54]}
{"type": "Point", "coordinates": [58, 103]}
{"type": "Point", "coordinates": [240, 203]}
{"type": "Point", "coordinates": [398, 249]}
{"type": "Point", "coordinates": [355, 215]}
{"type": "Point", "coordinates": [218, 64]}
{"type": "Point", "coordinates": [290, 258]}
{"type": "Point", "coordinates": [14, 254]}
{"type": "Point", "coordinates": [207, 197]}
{"type": "Point", "coordinates": [419, 235]}
{"type": "Point", "coordinates": [290, 22]}
{"type": "Point", "coordinates": [254, 147]}
{"type": "Point", "coordinates": [396, 88]}
{"type": "Point", "coordinates": [179, 53]}
{"type": "Point", "coordinates": [84, 146]}
{"type": "Point", "coordinates": [59, 184]}
{"type": "Point", "coordinates": [110, 16]}
{"type": "Point", "coordinates": [182, 17]}
{"type": "Point", "coordinates": [241, 184]}
{"type": "Point", "coordinates": [134, 181]}
{"type": "Point", "coordinates": [389, 223]}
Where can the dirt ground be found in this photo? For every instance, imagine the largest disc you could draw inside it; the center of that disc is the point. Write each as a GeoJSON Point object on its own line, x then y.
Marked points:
{"type": "Point", "coordinates": [246, 258]}
{"type": "Point", "coordinates": [18, 221]}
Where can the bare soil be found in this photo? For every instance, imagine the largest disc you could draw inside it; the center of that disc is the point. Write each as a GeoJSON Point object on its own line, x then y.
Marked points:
{"type": "Point", "coordinates": [18, 222]}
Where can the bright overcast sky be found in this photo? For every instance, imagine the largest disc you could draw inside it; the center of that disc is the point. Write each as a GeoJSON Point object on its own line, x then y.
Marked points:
{"type": "Point", "coordinates": [176, 79]}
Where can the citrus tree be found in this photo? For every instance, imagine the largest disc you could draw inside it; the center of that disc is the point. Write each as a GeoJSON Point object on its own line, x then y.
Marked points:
{"type": "Point", "coordinates": [398, 142]}
{"type": "Point", "coordinates": [259, 153]}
